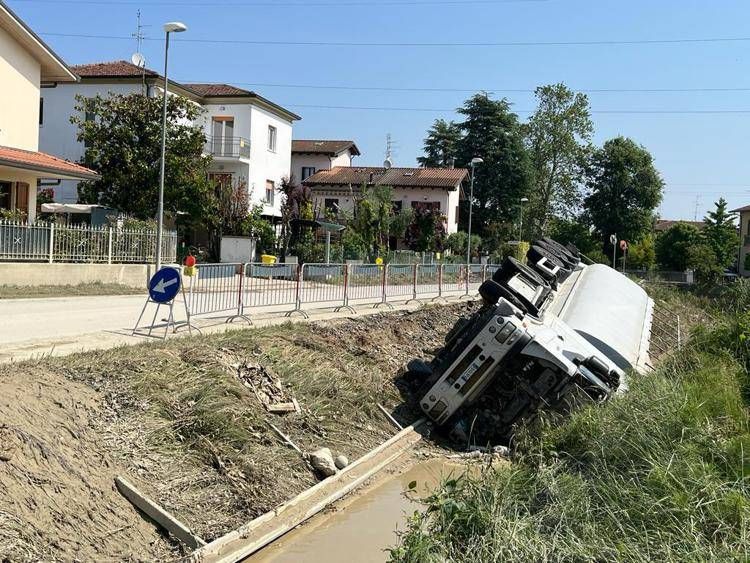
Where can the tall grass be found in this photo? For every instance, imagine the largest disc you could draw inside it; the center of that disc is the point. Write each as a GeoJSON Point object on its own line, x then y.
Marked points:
{"type": "Point", "coordinates": [659, 474]}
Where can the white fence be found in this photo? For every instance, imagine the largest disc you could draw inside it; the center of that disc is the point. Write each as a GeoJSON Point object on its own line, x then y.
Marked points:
{"type": "Point", "coordinates": [48, 242]}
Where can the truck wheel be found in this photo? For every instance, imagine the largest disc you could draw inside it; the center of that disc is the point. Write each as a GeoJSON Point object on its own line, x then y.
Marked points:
{"type": "Point", "coordinates": [492, 292]}
{"type": "Point", "coordinates": [536, 253]}
{"type": "Point", "coordinates": [511, 267]}
{"type": "Point", "coordinates": [563, 253]}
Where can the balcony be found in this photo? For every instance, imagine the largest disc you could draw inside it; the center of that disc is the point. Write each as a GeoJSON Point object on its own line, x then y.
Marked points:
{"type": "Point", "coordinates": [228, 147]}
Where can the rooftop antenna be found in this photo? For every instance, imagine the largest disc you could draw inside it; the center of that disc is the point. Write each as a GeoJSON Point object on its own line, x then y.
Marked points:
{"type": "Point", "coordinates": [388, 152]}
{"type": "Point", "coordinates": [138, 59]}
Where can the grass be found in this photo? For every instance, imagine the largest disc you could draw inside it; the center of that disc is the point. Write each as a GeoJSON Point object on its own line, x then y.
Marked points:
{"type": "Point", "coordinates": [662, 473]}
{"type": "Point", "coordinates": [84, 289]}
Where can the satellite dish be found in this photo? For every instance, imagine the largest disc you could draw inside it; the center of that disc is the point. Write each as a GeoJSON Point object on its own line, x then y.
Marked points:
{"type": "Point", "coordinates": [138, 60]}
{"type": "Point", "coordinates": [387, 164]}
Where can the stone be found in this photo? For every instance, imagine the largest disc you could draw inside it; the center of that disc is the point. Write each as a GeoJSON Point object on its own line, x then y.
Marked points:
{"type": "Point", "coordinates": [322, 461]}
{"type": "Point", "coordinates": [341, 461]}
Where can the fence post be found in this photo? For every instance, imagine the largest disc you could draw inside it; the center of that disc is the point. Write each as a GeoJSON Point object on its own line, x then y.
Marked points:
{"type": "Point", "coordinates": [346, 284]}
{"type": "Point", "coordinates": [298, 297]}
{"type": "Point", "coordinates": [385, 282]}
{"type": "Point", "coordinates": [51, 242]}
{"type": "Point", "coordinates": [109, 247]}
{"type": "Point", "coordinates": [414, 282]}
{"type": "Point", "coordinates": [441, 267]}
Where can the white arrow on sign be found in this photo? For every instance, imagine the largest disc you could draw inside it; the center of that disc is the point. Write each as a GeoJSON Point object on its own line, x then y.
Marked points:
{"type": "Point", "coordinates": [162, 285]}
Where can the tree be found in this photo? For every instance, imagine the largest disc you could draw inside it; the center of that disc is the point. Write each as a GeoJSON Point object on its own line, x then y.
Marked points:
{"type": "Point", "coordinates": [426, 232]}
{"type": "Point", "coordinates": [674, 244]}
{"type": "Point", "coordinates": [440, 145]}
{"type": "Point", "coordinates": [642, 254]}
{"type": "Point", "coordinates": [720, 234]}
{"type": "Point", "coordinates": [625, 189]}
{"type": "Point", "coordinates": [123, 144]}
{"type": "Point", "coordinates": [296, 202]}
{"type": "Point", "coordinates": [558, 137]}
{"type": "Point", "coordinates": [574, 231]}
{"type": "Point", "coordinates": [457, 242]}
{"type": "Point", "coordinates": [376, 220]}
{"type": "Point", "coordinates": [492, 132]}
{"type": "Point", "coordinates": [702, 259]}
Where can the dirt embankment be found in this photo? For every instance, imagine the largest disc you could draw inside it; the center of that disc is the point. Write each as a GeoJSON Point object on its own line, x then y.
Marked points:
{"type": "Point", "coordinates": [181, 420]}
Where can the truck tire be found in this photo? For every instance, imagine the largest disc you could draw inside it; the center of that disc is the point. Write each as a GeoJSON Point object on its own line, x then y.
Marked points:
{"type": "Point", "coordinates": [574, 257]}
{"type": "Point", "coordinates": [536, 253]}
{"type": "Point", "coordinates": [562, 254]}
{"type": "Point", "coordinates": [492, 292]}
{"type": "Point", "coordinates": [511, 267]}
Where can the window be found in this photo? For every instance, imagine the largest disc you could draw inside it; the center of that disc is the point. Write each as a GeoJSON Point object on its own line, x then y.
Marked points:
{"type": "Point", "coordinates": [397, 206]}
{"type": "Point", "coordinates": [272, 138]}
{"type": "Point", "coordinates": [307, 171]}
{"type": "Point", "coordinates": [332, 204]}
{"type": "Point", "coordinates": [430, 205]}
{"type": "Point", "coordinates": [41, 112]}
{"type": "Point", "coordinates": [22, 197]}
{"type": "Point", "coordinates": [457, 207]}
{"type": "Point", "coordinates": [270, 191]}
{"type": "Point", "coordinates": [222, 131]}
{"type": "Point", "coordinates": [5, 195]}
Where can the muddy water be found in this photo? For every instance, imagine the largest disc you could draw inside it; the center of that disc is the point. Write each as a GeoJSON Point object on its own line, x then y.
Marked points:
{"type": "Point", "coordinates": [362, 526]}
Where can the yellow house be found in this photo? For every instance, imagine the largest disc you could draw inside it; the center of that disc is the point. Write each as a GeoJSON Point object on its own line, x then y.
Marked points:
{"type": "Point", "coordinates": [25, 64]}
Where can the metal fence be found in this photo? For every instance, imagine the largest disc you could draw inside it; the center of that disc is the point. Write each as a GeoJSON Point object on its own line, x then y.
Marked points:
{"type": "Point", "coordinates": [237, 290]}
{"type": "Point", "coordinates": [49, 242]}
{"type": "Point", "coordinates": [660, 276]}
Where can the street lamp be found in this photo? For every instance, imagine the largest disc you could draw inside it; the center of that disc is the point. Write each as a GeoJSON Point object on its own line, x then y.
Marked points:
{"type": "Point", "coordinates": [520, 220]}
{"type": "Point", "coordinates": [171, 27]}
{"type": "Point", "coordinates": [474, 161]}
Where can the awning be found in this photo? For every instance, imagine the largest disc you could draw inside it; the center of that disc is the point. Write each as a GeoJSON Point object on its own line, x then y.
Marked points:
{"type": "Point", "coordinates": [73, 208]}
{"type": "Point", "coordinates": [45, 165]}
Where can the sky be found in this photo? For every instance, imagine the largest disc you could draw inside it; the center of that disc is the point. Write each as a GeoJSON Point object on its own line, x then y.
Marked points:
{"type": "Point", "coordinates": [698, 135]}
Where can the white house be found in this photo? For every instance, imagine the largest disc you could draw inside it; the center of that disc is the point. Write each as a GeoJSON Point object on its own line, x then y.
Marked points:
{"type": "Point", "coordinates": [309, 156]}
{"type": "Point", "coordinates": [434, 188]}
{"type": "Point", "coordinates": [248, 136]}
{"type": "Point", "coordinates": [26, 65]}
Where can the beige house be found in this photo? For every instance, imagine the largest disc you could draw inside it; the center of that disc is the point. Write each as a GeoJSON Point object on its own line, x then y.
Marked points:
{"type": "Point", "coordinates": [25, 64]}
{"type": "Point", "coordinates": [309, 156]}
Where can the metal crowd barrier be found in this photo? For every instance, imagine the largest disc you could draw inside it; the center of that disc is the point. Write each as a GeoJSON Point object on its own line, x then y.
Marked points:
{"type": "Point", "coordinates": [239, 289]}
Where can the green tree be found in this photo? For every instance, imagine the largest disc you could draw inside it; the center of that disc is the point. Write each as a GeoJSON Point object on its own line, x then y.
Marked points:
{"type": "Point", "coordinates": [720, 233]}
{"type": "Point", "coordinates": [673, 246]}
{"type": "Point", "coordinates": [426, 232]}
{"type": "Point", "coordinates": [457, 242]}
{"type": "Point", "coordinates": [123, 144]}
{"type": "Point", "coordinates": [642, 254]}
{"type": "Point", "coordinates": [492, 132]}
{"type": "Point", "coordinates": [558, 136]}
{"type": "Point", "coordinates": [703, 260]}
{"type": "Point", "coordinates": [441, 144]}
{"type": "Point", "coordinates": [375, 220]}
{"type": "Point", "coordinates": [574, 231]}
{"type": "Point", "coordinates": [625, 190]}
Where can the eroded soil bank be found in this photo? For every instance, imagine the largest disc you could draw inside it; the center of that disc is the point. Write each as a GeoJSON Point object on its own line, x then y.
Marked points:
{"type": "Point", "coordinates": [186, 422]}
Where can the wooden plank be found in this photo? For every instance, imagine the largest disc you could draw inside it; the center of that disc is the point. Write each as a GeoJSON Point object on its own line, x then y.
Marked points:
{"type": "Point", "coordinates": [158, 514]}
{"type": "Point", "coordinates": [286, 439]}
{"type": "Point", "coordinates": [281, 408]}
{"type": "Point", "coordinates": [253, 536]}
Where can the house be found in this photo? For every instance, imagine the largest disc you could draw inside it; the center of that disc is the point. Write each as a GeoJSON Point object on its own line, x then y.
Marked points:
{"type": "Point", "coordinates": [248, 136]}
{"type": "Point", "coordinates": [26, 64]}
{"type": "Point", "coordinates": [744, 251]}
{"type": "Point", "coordinates": [309, 156]}
{"type": "Point", "coordinates": [434, 188]}
{"type": "Point", "coordinates": [662, 225]}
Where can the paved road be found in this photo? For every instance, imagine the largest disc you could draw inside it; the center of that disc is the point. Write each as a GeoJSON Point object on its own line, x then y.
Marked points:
{"type": "Point", "coordinates": [58, 326]}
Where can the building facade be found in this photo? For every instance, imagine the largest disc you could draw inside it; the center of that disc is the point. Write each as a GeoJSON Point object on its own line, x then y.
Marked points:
{"type": "Point", "coordinates": [311, 156]}
{"type": "Point", "coordinates": [26, 65]}
{"type": "Point", "coordinates": [434, 188]}
{"type": "Point", "coordinates": [248, 136]}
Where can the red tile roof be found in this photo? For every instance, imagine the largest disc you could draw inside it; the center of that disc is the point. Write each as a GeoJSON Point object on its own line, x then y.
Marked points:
{"type": "Point", "coordinates": [112, 69]}
{"type": "Point", "coordinates": [329, 148]}
{"type": "Point", "coordinates": [218, 90]}
{"type": "Point", "coordinates": [446, 178]}
{"type": "Point", "coordinates": [664, 224]}
{"type": "Point", "coordinates": [41, 162]}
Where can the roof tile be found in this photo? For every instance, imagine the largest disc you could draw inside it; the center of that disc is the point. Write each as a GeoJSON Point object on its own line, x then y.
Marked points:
{"type": "Point", "coordinates": [43, 162]}
{"type": "Point", "coordinates": [330, 148]}
{"type": "Point", "coordinates": [122, 69]}
{"type": "Point", "coordinates": [446, 178]}
{"type": "Point", "coordinates": [218, 90]}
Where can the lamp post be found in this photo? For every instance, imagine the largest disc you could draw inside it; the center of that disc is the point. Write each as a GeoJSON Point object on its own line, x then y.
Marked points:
{"type": "Point", "coordinates": [520, 219]}
{"type": "Point", "coordinates": [474, 161]}
{"type": "Point", "coordinates": [171, 27]}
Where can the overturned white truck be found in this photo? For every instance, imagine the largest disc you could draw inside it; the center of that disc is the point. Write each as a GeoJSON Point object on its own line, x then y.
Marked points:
{"type": "Point", "coordinates": [549, 333]}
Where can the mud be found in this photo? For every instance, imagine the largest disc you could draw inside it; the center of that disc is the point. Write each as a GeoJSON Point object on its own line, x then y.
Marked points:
{"type": "Point", "coordinates": [362, 527]}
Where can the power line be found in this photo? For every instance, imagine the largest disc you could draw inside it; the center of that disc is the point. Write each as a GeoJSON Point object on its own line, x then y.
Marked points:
{"type": "Point", "coordinates": [607, 111]}
{"type": "Point", "coordinates": [313, 4]}
{"type": "Point", "coordinates": [465, 90]}
{"type": "Point", "coordinates": [603, 42]}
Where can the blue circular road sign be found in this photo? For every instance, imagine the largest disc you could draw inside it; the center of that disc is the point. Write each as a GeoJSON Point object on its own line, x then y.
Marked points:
{"type": "Point", "coordinates": [164, 285]}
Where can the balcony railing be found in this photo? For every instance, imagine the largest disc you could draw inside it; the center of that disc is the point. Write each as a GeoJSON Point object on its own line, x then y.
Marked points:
{"type": "Point", "coordinates": [231, 147]}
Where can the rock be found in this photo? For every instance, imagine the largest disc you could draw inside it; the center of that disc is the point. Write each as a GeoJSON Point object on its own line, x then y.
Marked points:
{"type": "Point", "coordinates": [341, 461]}
{"type": "Point", "coordinates": [322, 461]}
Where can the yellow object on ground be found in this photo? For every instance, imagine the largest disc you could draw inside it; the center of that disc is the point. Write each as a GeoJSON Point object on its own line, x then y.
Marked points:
{"type": "Point", "coordinates": [268, 259]}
